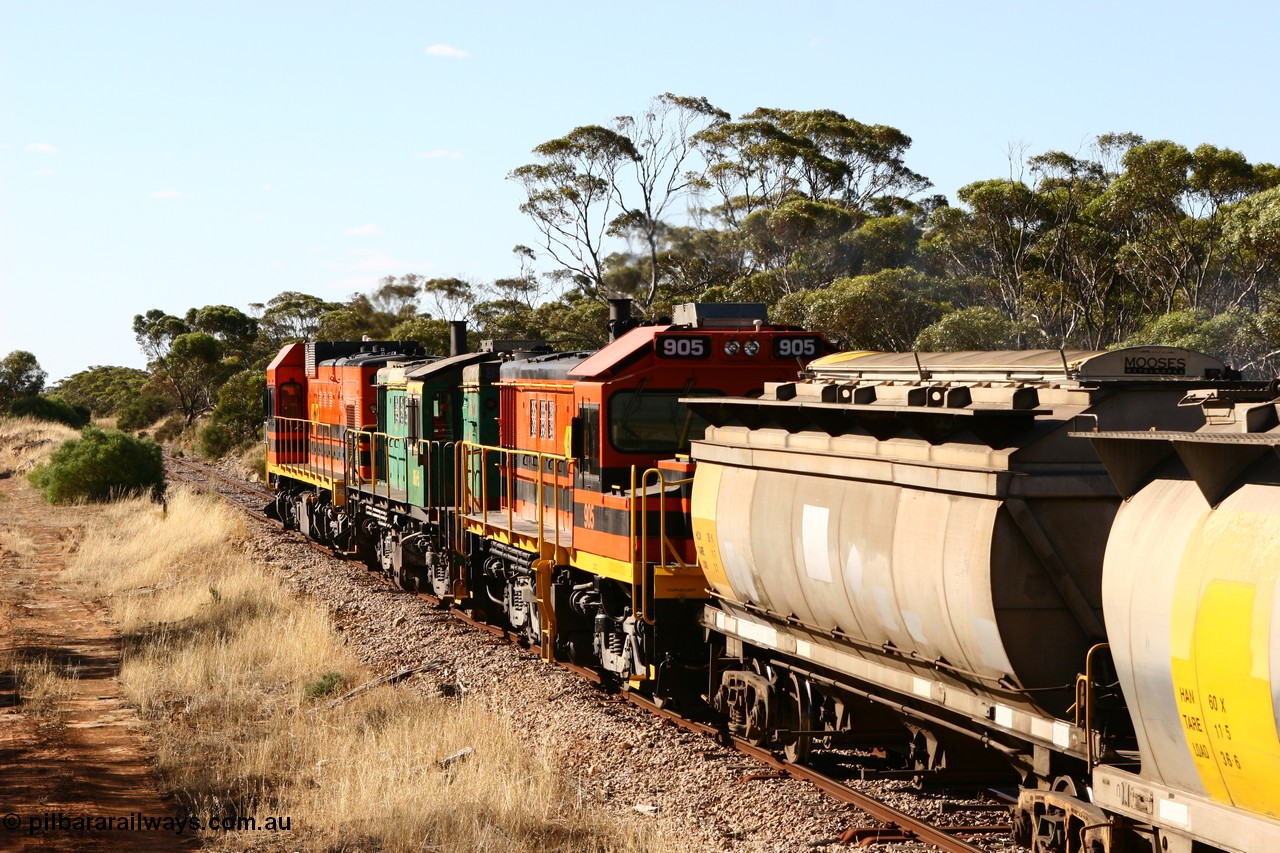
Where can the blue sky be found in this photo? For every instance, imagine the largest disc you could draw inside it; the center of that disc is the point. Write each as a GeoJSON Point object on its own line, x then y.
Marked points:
{"type": "Point", "coordinates": [179, 154]}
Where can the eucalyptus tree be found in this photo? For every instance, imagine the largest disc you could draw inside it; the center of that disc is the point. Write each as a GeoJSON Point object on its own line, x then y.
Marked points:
{"type": "Point", "coordinates": [1252, 235]}
{"type": "Point", "coordinates": [601, 183]}
{"type": "Point", "coordinates": [770, 155]}
{"type": "Point", "coordinates": [194, 369]}
{"type": "Point", "coordinates": [237, 330]}
{"type": "Point", "coordinates": [291, 316]}
{"type": "Point", "coordinates": [155, 332]}
{"type": "Point", "coordinates": [104, 389]}
{"type": "Point", "coordinates": [1167, 204]}
{"type": "Point", "coordinates": [796, 186]}
{"type": "Point", "coordinates": [884, 311]}
{"type": "Point", "coordinates": [20, 376]}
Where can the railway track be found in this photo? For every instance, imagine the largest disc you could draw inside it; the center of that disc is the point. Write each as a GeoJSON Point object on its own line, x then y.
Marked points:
{"type": "Point", "coordinates": [897, 824]}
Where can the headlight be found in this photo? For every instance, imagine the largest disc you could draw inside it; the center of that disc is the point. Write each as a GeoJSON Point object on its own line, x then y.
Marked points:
{"type": "Point", "coordinates": [751, 347]}
{"type": "Point", "coordinates": [732, 348]}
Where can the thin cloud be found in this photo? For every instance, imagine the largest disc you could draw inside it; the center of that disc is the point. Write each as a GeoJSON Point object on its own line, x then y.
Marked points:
{"type": "Point", "coordinates": [41, 148]}
{"type": "Point", "coordinates": [361, 230]}
{"type": "Point", "coordinates": [441, 154]}
{"type": "Point", "coordinates": [447, 51]}
{"type": "Point", "coordinates": [373, 260]}
{"type": "Point", "coordinates": [44, 173]}
{"type": "Point", "coordinates": [166, 195]}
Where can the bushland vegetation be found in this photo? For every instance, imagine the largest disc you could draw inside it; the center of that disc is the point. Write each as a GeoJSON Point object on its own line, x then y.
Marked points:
{"type": "Point", "coordinates": [50, 408]}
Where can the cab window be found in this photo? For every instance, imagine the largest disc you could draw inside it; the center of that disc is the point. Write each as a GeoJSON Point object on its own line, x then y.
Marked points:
{"type": "Point", "coordinates": [291, 403]}
{"type": "Point", "coordinates": [647, 421]}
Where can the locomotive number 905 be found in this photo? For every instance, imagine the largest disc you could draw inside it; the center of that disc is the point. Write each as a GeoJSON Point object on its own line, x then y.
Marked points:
{"type": "Point", "coordinates": [684, 346]}
{"type": "Point", "coordinates": [806, 347]}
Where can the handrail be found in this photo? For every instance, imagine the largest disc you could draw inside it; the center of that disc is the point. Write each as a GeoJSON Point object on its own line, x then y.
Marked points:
{"type": "Point", "coordinates": [380, 447]}
{"type": "Point", "coordinates": [1085, 700]}
{"type": "Point", "coordinates": [300, 437]}
{"type": "Point", "coordinates": [467, 454]}
{"type": "Point", "coordinates": [641, 567]}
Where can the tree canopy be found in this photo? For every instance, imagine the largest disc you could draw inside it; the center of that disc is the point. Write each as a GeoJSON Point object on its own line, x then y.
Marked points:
{"type": "Point", "coordinates": [20, 376]}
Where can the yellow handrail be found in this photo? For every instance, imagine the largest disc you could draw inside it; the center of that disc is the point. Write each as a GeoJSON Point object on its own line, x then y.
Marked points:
{"type": "Point", "coordinates": [467, 453]}
{"type": "Point", "coordinates": [641, 566]}
{"type": "Point", "coordinates": [380, 446]}
{"type": "Point", "coordinates": [300, 437]}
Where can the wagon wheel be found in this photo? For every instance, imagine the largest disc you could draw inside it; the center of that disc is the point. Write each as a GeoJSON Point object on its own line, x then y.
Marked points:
{"type": "Point", "coordinates": [796, 748]}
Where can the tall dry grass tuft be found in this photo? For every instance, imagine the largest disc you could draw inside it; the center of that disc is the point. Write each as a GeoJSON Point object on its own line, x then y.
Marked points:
{"type": "Point", "coordinates": [41, 684]}
{"type": "Point", "coordinates": [26, 442]}
{"type": "Point", "coordinates": [219, 657]}
{"type": "Point", "coordinates": [252, 462]}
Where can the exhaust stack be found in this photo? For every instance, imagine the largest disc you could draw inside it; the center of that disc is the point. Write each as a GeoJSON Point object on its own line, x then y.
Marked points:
{"type": "Point", "coordinates": [620, 321]}
{"type": "Point", "coordinates": [457, 337]}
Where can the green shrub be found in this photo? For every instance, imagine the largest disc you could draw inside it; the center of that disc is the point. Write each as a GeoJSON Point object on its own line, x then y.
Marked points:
{"type": "Point", "coordinates": [328, 683]}
{"type": "Point", "coordinates": [144, 410]}
{"type": "Point", "coordinates": [101, 465]}
{"type": "Point", "coordinates": [216, 440]}
{"type": "Point", "coordinates": [50, 409]}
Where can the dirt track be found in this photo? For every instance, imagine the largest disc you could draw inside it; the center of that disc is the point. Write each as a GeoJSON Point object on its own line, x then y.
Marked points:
{"type": "Point", "coordinates": [67, 769]}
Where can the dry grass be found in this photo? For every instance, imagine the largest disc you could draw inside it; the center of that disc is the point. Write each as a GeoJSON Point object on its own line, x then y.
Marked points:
{"type": "Point", "coordinates": [26, 442]}
{"type": "Point", "coordinates": [252, 462]}
{"type": "Point", "coordinates": [15, 544]}
{"type": "Point", "coordinates": [219, 656]}
{"type": "Point", "coordinates": [42, 684]}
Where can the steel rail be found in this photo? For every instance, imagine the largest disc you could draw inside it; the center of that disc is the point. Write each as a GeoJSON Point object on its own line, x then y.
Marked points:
{"type": "Point", "coordinates": [214, 474]}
